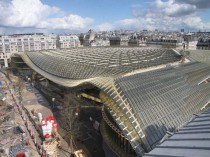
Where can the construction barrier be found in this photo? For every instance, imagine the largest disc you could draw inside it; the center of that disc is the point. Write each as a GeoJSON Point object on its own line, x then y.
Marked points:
{"type": "Point", "coordinates": [39, 148]}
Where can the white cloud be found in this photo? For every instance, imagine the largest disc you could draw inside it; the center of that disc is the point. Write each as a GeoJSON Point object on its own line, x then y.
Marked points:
{"type": "Point", "coordinates": [170, 8]}
{"type": "Point", "coordinates": [128, 22]}
{"type": "Point", "coordinates": [200, 4]}
{"type": "Point", "coordinates": [35, 14]}
{"type": "Point", "coordinates": [25, 13]}
{"type": "Point", "coordinates": [132, 23]}
{"type": "Point", "coordinates": [170, 15]}
{"type": "Point", "coordinates": [196, 22]}
{"type": "Point", "coordinates": [71, 22]}
{"type": "Point", "coordinates": [105, 27]}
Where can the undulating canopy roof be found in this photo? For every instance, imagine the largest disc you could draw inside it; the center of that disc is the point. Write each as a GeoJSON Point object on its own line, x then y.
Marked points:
{"type": "Point", "coordinates": [144, 105]}
{"type": "Point", "coordinates": [83, 63]}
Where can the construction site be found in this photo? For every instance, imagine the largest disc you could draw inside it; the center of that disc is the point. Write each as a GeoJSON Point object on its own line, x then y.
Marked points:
{"type": "Point", "coordinates": [104, 102]}
{"type": "Point", "coordinates": [28, 127]}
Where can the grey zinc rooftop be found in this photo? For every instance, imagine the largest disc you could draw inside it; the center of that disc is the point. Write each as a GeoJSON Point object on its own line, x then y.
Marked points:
{"type": "Point", "coordinates": [163, 100]}
{"type": "Point", "coordinates": [193, 140]}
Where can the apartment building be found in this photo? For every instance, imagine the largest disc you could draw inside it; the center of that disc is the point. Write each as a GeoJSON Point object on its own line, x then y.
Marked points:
{"type": "Point", "coordinates": [68, 41]}
{"type": "Point", "coordinates": [24, 42]}
{"type": "Point", "coordinates": [203, 44]}
{"type": "Point", "coordinates": [121, 40]}
{"type": "Point", "coordinates": [100, 42]}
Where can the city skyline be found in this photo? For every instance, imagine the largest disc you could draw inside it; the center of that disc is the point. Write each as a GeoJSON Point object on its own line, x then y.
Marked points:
{"type": "Point", "coordinates": [76, 16]}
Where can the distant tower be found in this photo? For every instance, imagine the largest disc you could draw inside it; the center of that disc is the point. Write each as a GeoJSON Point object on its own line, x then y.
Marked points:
{"type": "Point", "coordinates": [187, 39]}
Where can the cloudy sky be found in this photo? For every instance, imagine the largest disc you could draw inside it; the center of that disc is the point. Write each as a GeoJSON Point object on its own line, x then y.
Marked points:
{"type": "Point", "coordinates": [74, 16]}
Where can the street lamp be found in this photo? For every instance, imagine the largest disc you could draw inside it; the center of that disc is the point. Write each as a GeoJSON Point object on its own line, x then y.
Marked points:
{"type": "Point", "coordinates": [53, 100]}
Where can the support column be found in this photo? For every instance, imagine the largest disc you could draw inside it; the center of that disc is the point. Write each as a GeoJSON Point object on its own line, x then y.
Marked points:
{"type": "Point", "coordinates": [5, 62]}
